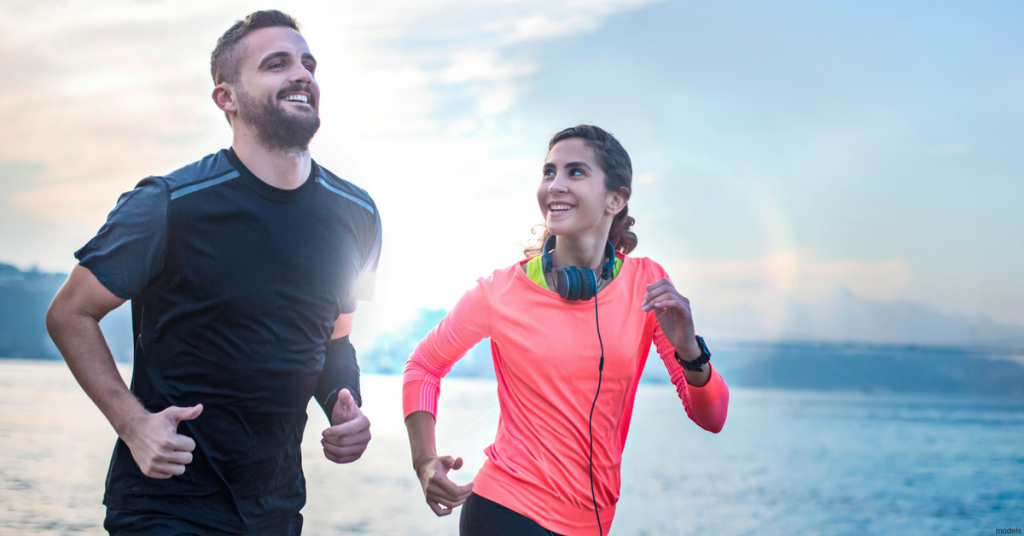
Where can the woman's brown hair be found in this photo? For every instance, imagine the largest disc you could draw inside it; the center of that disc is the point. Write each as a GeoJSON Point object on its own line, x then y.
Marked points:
{"type": "Point", "coordinates": [618, 173]}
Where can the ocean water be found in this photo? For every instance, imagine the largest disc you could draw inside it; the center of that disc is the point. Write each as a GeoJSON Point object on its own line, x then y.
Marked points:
{"type": "Point", "coordinates": [786, 463]}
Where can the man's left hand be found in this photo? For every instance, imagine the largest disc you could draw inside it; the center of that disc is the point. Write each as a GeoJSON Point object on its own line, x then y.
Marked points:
{"type": "Point", "coordinates": [346, 440]}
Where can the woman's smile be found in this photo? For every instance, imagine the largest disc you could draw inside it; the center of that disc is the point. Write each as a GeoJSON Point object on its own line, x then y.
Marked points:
{"type": "Point", "coordinates": [560, 210]}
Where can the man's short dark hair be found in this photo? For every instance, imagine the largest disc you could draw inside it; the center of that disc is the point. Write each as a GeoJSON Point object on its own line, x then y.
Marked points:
{"type": "Point", "coordinates": [224, 61]}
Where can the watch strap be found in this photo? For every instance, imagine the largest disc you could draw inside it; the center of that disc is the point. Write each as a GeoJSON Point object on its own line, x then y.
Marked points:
{"type": "Point", "coordinates": [697, 364]}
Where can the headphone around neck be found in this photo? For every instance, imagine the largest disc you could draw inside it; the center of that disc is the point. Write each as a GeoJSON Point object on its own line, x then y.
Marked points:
{"type": "Point", "coordinates": [574, 283]}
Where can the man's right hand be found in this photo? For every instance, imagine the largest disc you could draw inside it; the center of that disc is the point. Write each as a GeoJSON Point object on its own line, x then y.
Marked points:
{"type": "Point", "coordinates": [441, 493]}
{"type": "Point", "coordinates": [158, 448]}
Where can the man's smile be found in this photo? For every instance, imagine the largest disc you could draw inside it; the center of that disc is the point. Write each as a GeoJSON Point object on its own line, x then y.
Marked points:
{"type": "Point", "coordinates": [298, 97]}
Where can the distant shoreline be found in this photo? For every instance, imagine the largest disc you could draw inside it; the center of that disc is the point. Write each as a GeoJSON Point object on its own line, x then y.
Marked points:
{"type": "Point", "coordinates": [989, 371]}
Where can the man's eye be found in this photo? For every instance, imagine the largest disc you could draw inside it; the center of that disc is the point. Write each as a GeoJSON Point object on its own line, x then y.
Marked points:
{"type": "Point", "coordinates": [276, 65]}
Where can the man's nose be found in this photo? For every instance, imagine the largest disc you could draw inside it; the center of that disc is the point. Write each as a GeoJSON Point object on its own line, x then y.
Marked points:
{"type": "Point", "coordinates": [301, 74]}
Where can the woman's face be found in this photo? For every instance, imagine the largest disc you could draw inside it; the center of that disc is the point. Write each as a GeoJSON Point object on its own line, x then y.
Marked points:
{"type": "Point", "coordinates": [572, 194]}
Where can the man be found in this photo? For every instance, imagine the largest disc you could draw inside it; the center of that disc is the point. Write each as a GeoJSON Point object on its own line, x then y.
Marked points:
{"type": "Point", "coordinates": [242, 271]}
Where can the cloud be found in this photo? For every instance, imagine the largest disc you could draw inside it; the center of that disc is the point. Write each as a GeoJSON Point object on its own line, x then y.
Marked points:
{"type": "Point", "coordinates": [16, 175]}
{"type": "Point", "coordinates": [799, 274]}
{"type": "Point", "coordinates": [105, 95]}
{"type": "Point", "coordinates": [846, 316]}
{"type": "Point", "coordinates": [490, 80]}
{"type": "Point", "coordinates": [538, 27]}
{"type": "Point", "coordinates": [23, 233]}
{"type": "Point", "coordinates": [440, 109]}
{"type": "Point", "coordinates": [758, 291]}
{"type": "Point", "coordinates": [798, 295]}
{"type": "Point", "coordinates": [68, 202]}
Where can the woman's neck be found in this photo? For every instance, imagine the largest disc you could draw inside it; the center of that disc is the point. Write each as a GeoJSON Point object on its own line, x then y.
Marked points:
{"type": "Point", "coordinates": [579, 251]}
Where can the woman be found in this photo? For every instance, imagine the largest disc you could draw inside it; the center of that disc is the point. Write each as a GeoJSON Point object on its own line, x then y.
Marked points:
{"type": "Point", "coordinates": [567, 368]}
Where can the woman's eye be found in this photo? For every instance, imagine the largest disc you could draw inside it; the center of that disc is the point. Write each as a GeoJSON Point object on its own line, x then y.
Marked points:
{"type": "Point", "coordinates": [576, 172]}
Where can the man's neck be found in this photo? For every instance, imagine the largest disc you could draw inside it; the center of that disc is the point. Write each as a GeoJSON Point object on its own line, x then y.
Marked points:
{"type": "Point", "coordinates": [286, 170]}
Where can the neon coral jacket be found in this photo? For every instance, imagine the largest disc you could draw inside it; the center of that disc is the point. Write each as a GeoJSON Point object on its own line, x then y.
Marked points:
{"type": "Point", "coordinates": [546, 355]}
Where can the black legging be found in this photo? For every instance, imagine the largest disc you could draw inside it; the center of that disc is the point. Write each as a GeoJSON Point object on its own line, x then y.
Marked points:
{"type": "Point", "coordinates": [483, 517]}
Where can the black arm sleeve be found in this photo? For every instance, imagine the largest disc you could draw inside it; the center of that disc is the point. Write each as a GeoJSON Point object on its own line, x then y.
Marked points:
{"type": "Point", "coordinates": [341, 371]}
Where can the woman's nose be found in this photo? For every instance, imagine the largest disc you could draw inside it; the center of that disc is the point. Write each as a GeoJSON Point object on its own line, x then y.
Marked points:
{"type": "Point", "coordinates": [558, 184]}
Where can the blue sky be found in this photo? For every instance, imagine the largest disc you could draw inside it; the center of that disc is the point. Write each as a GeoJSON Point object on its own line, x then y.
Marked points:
{"type": "Point", "coordinates": [784, 151]}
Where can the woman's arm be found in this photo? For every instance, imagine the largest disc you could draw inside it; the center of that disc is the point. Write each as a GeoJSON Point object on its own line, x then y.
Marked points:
{"type": "Point", "coordinates": [704, 393]}
{"type": "Point", "coordinates": [464, 326]}
{"type": "Point", "coordinates": [706, 405]}
{"type": "Point", "coordinates": [441, 493]}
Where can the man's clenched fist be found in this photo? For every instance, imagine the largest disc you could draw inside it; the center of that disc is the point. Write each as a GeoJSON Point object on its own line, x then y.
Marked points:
{"type": "Point", "coordinates": [158, 448]}
{"type": "Point", "coordinates": [347, 438]}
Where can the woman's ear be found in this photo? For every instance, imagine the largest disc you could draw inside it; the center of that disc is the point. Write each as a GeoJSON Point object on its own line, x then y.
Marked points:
{"type": "Point", "coordinates": [617, 200]}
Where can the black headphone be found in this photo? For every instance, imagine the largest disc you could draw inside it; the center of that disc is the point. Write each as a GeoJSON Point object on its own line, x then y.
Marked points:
{"type": "Point", "coordinates": [572, 282]}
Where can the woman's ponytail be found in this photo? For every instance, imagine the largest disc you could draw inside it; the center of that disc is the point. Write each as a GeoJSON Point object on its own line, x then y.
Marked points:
{"type": "Point", "coordinates": [622, 238]}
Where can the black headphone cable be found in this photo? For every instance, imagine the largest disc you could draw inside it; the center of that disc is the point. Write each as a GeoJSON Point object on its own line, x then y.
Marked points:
{"type": "Point", "coordinates": [590, 424]}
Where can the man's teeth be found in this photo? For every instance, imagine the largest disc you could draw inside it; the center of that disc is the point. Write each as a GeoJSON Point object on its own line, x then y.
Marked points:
{"type": "Point", "coordinates": [299, 98]}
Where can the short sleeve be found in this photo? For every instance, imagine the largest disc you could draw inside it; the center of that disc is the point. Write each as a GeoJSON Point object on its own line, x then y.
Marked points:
{"type": "Point", "coordinates": [368, 276]}
{"type": "Point", "coordinates": [128, 251]}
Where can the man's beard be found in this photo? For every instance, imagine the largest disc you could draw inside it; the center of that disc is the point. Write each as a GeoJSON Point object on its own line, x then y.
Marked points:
{"type": "Point", "coordinates": [276, 128]}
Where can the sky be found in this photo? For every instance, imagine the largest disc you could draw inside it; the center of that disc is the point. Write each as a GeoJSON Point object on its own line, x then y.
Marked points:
{"type": "Point", "coordinates": [784, 153]}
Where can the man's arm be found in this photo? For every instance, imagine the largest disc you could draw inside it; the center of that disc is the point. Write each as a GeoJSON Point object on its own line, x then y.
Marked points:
{"type": "Point", "coordinates": [341, 369]}
{"type": "Point", "coordinates": [342, 326]}
{"type": "Point", "coordinates": [337, 389]}
{"type": "Point", "coordinates": [338, 393]}
{"type": "Point", "coordinates": [73, 323]}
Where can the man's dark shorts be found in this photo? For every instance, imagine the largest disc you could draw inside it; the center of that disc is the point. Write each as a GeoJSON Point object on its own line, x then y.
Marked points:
{"type": "Point", "coordinates": [127, 523]}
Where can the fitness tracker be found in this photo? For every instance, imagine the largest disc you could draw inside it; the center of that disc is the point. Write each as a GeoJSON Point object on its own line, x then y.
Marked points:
{"type": "Point", "coordinates": [696, 364]}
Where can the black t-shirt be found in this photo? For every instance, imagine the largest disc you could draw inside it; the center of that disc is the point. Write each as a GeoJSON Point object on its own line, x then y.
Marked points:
{"type": "Point", "coordinates": [235, 287]}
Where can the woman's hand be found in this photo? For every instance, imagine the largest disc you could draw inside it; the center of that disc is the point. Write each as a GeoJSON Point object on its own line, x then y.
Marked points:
{"type": "Point", "coordinates": [673, 312]}
{"type": "Point", "coordinates": [441, 493]}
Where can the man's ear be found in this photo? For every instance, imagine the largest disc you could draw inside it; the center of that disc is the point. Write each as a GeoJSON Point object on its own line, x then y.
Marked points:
{"type": "Point", "coordinates": [224, 98]}
{"type": "Point", "coordinates": [617, 200]}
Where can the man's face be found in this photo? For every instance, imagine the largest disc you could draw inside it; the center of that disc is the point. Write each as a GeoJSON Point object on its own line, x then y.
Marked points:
{"type": "Point", "coordinates": [277, 94]}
